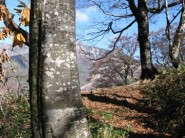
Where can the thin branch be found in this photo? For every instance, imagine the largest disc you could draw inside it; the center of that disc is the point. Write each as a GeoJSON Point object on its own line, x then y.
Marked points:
{"type": "Point", "coordinates": [161, 8]}
{"type": "Point", "coordinates": [110, 14]}
{"type": "Point", "coordinates": [9, 23]}
{"type": "Point", "coordinates": [117, 39]}
{"type": "Point", "coordinates": [128, 26]}
{"type": "Point", "coordinates": [175, 16]}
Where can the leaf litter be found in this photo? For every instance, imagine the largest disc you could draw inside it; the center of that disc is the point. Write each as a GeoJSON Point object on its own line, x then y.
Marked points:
{"type": "Point", "coordinates": [126, 104]}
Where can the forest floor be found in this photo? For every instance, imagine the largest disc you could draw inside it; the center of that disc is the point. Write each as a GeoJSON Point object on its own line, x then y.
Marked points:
{"type": "Point", "coordinates": [126, 105]}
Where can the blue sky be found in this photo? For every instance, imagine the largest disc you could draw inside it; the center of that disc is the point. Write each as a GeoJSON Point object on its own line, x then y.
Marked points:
{"type": "Point", "coordinates": [85, 18]}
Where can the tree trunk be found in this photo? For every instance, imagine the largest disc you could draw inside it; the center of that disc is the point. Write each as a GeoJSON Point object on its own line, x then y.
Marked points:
{"type": "Point", "coordinates": [148, 71]}
{"type": "Point", "coordinates": [178, 38]}
{"type": "Point", "coordinates": [33, 70]}
{"type": "Point", "coordinates": [56, 106]}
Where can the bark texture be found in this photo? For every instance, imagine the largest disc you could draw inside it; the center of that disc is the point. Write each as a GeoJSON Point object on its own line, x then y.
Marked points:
{"type": "Point", "coordinates": [57, 110]}
{"type": "Point", "coordinates": [174, 50]}
{"type": "Point", "coordinates": [148, 71]}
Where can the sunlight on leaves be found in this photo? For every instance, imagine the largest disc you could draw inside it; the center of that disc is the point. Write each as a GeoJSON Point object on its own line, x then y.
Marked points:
{"type": "Point", "coordinates": [24, 13]}
{"type": "Point", "coordinates": [4, 14]}
{"type": "Point", "coordinates": [18, 40]}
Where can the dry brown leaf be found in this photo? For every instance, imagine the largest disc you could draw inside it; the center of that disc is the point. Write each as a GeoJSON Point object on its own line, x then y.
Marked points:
{"type": "Point", "coordinates": [4, 14]}
{"type": "Point", "coordinates": [1, 72]}
{"type": "Point", "coordinates": [7, 31]}
{"type": "Point", "coordinates": [2, 36]}
{"type": "Point", "coordinates": [25, 16]}
{"type": "Point", "coordinates": [4, 56]}
{"type": "Point", "coordinates": [1, 76]}
{"type": "Point", "coordinates": [24, 13]}
{"type": "Point", "coordinates": [18, 40]}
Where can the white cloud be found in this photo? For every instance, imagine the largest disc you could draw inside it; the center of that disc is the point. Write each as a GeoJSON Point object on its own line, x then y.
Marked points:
{"type": "Point", "coordinates": [84, 16]}
{"type": "Point", "coordinates": [81, 17]}
{"type": "Point", "coordinates": [91, 9]}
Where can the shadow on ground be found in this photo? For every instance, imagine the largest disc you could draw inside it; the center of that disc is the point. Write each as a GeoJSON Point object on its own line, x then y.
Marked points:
{"type": "Point", "coordinates": [115, 101]}
{"type": "Point", "coordinates": [135, 135]}
{"type": "Point", "coordinates": [139, 106]}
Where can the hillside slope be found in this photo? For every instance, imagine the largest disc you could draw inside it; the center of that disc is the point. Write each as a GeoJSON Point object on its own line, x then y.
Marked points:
{"type": "Point", "coordinates": [126, 105]}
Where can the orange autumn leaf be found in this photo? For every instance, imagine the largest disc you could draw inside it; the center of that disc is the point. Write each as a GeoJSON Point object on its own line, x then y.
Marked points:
{"type": "Point", "coordinates": [7, 31]}
{"type": "Point", "coordinates": [24, 13]}
{"type": "Point", "coordinates": [2, 36]}
{"type": "Point", "coordinates": [25, 16]}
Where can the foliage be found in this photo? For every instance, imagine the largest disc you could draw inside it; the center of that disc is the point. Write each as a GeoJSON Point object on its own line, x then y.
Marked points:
{"type": "Point", "coordinates": [167, 95]}
{"type": "Point", "coordinates": [3, 58]}
{"type": "Point", "coordinates": [15, 121]}
{"type": "Point", "coordinates": [100, 129]}
{"type": "Point", "coordinates": [24, 13]}
{"type": "Point", "coordinates": [19, 38]}
{"type": "Point", "coordinates": [103, 130]}
{"type": "Point", "coordinates": [15, 117]}
{"type": "Point", "coordinates": [5, 15]}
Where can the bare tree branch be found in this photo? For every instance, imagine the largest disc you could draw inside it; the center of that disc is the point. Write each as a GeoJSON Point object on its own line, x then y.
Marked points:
{"type": "Point", "coordinates": [9, 23]}
{"type": "Point", "coordinates": [110, 14]}
{"type": "Point", "coordinates": [117, 39]}
{"type": "Point", "coordinates": [161, 8]}
{"type": "Point", "coordinates": [175, 16]}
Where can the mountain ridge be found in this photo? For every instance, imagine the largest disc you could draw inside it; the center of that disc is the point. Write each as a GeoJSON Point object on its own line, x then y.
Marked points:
{"type": "Point", "coordinates": [20, 56]}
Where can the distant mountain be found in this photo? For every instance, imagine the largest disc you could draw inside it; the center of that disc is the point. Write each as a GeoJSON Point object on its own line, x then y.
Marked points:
{"type": "Point", "coordinates": [16, 71]}
{"type": "Point", "coordinates": [20, 56]}
{"type": "Point", "coordinates": [22, 60]}
{"type": "Point", "coordinates": [84, 63]}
